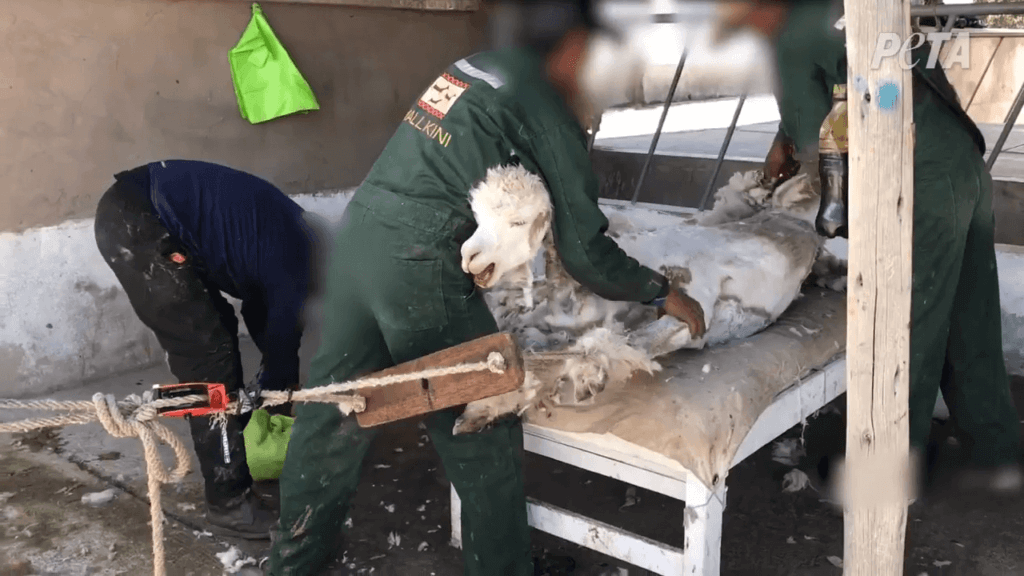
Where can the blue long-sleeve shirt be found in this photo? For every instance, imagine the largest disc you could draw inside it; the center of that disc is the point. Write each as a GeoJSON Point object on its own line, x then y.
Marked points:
{"type": "Point", "coordinates": [252, 243]}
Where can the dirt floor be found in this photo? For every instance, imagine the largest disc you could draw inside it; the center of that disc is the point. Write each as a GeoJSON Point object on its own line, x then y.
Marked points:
{"type": "Point", "coordinates": [400, 519]}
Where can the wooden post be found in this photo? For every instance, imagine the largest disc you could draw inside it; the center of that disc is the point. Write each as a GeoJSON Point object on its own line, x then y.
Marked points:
{"type": "Point", "coordinates": [878, 318]}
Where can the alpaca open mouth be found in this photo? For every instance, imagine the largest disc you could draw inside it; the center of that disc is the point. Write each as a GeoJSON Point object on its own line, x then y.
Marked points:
{"type": "Point", "coordinates": [483, 279]}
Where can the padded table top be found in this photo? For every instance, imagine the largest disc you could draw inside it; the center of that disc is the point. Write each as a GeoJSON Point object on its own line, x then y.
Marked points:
{"type": "Point", "coordinates": [698, 409]}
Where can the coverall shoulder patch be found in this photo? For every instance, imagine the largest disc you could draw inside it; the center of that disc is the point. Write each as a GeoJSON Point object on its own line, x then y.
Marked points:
{"type": "Point", "coordinates": [442, 95]}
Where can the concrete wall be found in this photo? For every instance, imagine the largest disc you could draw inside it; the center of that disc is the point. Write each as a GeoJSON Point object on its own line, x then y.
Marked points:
{"type": "Point", "coordinates": [64, 318]}
{"type": "Point", "coordinates": [1010, 263]}
{"type": "Point", "coordinates": [70, 321]}
{"type": "Point", "coordinates": [90, 87]}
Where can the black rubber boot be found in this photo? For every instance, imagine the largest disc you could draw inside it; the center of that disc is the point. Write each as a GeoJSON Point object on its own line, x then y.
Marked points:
{"type": "Point", "coordinates": [269, 491]}
{"type": "Point", "coordinates": [250, 519]}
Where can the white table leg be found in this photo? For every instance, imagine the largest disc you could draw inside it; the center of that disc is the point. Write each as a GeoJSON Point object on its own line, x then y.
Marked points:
{"type": "Point", "coordinates": [456, 506]}
{"type": "Point", "coordinates": [702, 553]}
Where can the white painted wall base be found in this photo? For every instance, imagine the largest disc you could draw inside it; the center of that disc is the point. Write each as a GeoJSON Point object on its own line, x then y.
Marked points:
{"type": "Point", "coordinates": [64, 318]}
{"type": "Point", "coordinates": [1010, 263]}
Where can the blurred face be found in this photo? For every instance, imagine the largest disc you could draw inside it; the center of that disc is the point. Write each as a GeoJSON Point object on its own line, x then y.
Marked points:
{"type": "Point", "coordinates": [563, 69]}
{"type": "Point", "coordinates": [765, 17]}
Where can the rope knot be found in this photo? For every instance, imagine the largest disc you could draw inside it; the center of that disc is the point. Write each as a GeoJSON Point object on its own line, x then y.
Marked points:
{"type": "Point", "coordinates": [109, 415]}
{"type": "Point", "coordinates": [496, 363]}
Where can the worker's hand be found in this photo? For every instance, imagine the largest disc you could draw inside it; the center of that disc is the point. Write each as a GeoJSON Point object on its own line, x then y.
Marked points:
{"type": "Point", "coordinates": [685, 309]}
{"type": "Point", "coordinates": [780, 165]}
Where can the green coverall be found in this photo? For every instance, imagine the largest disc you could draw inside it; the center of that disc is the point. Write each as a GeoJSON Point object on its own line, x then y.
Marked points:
{"type": "Point", "coordinates": [955, 290]}
{"type": "Point", "coordinates": [396, 292]}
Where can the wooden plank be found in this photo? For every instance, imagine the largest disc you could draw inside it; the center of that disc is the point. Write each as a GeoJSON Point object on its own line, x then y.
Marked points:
{"type": "Point", "coordinates": [611, 449]}
{"type": "Point", "coordinates": [703, 534]}
{"type": "Point", "coordinates": [428, 5]}
{"type": "Point", "coordinates": [608, 467]}
{"type": "Point", "coordinates": [878, 311]}
{"type": "Point", "coordinates": [416, 397]}
{"type": "Point", "coordinates": [702, 525]}
{"type": "Point", "coordinates": [605, 538]}
{"type": "Point", "coordinates": [456, 518]}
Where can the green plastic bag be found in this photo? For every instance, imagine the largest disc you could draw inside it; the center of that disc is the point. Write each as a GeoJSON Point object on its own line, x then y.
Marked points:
{"type": "Point", "coordinates": [267, 83]}
{"type": "Point", "coordinates": [266, 443]}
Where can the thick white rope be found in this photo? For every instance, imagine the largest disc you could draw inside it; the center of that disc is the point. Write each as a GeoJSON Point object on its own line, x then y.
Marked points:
{"type": "Point", "coordinates": [136, 417]}
{"type": "Point", "coordinates": [337, 393]}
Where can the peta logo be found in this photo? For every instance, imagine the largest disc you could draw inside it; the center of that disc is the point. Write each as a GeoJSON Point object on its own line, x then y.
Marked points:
{"type": "Point", "coordinates": [889, 45]}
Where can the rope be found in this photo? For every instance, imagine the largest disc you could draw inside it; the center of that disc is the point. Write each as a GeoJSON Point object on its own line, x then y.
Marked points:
{"type": "Point", "coordinates": [136, 417]}
{"type": "Point", "coordinates": [335, 393]}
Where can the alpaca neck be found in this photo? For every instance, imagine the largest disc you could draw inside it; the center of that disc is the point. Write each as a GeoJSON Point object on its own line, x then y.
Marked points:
{"type": "Point", "coordinates": [554, 271]}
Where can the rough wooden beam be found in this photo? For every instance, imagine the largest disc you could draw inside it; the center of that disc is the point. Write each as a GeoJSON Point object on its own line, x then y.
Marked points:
{"type": "Point", "coordinates": [406, 399]}
{"type": "Point", "coordinates": [878, 310]}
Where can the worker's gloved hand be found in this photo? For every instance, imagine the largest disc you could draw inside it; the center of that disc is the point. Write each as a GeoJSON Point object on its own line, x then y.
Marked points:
{"type": "Point", "coordinates": [780, 164]}
{"type": "Point", "coordinates": [261, 382]}
{"type": "Point", "coordinates": [685, 309]}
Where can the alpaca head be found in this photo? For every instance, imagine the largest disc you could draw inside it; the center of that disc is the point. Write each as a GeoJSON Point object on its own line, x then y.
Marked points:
{"type": "Point", "coordinates": [513, 211]}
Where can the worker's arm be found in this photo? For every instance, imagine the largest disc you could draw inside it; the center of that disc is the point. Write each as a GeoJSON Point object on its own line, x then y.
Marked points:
{"type": "Point", "coordinates": [810, 56]}
{"type": "Point", "coordinates": [804, 98]}
{"type": "Point", "coordinates": [592, 258]}
{"type": "Point", "coordinates": [286, 273]}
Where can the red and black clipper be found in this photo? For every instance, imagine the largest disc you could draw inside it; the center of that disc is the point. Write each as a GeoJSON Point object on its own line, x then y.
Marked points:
{"type": "Point", "coordinates": [216, 398]}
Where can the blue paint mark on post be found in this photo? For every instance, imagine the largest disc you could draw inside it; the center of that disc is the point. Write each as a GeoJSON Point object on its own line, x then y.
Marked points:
{"type": "Point", "coordinates": [888, 94]}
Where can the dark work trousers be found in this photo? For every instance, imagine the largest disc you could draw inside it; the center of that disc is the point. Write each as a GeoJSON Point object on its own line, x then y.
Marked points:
{"type": "Point", "coordinates": [956, 341]}
{"type": "Point", "coordinates": [396, 292]}
{"type": "Point", "coordinates": [194, 324]}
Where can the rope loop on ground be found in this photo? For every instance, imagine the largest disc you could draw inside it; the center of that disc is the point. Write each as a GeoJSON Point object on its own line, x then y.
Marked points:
{"type": "Point", "coordinates": [137, 417]}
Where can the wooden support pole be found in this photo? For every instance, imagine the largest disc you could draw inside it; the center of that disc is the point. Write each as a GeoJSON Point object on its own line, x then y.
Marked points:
{"type": "Point", "coordinates": [878, 321]}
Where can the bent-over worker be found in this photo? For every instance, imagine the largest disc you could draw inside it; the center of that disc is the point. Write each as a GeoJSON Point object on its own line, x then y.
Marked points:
{"type": "Point", "coordinates": [397, 292]}
{"type": "Point", "coordinates": [955, 291]}
{"type": "Point", "coordinates": [177, 233]}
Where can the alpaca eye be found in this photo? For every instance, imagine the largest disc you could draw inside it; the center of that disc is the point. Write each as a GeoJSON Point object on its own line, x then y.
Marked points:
{"type": "Point", "coordinates": [519, 223]}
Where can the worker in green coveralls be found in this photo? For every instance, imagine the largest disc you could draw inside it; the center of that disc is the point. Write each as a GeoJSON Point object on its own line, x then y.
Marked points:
{"type": "Point", "coordinates": [396, 292]}
{"type": "Point", "coordinates": [955, 291]}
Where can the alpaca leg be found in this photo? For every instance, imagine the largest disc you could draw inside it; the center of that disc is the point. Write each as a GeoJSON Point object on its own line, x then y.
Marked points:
{"type": "Point", "coordinates": [528, 288]}
{"type": "Point", "coordinates": [829, 272]}
{"type": "Point", "coordinates": [588, 376]}
{"type": "Point", "coordinates": [481, 414]}
{"type": "Point", "coordinates": [663, 336]}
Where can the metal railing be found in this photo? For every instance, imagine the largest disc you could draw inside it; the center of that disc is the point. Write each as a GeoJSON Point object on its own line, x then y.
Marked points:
{"type": "Point", "coordinates": [915, 11]}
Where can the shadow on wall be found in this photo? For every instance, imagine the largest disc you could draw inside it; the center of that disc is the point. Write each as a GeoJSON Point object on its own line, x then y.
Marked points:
{"type": "Point", "coordinates": [92, 88]}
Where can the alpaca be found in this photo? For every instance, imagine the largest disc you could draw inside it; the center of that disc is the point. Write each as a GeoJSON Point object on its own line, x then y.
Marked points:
{"type": "Point", "coordinates": [744, 262]}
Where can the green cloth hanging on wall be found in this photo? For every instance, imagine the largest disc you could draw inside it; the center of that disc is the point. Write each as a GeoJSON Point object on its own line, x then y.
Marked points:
{"type": "Point", "coordinates": [267, 83]}
{"type": "Point", "coordinates": [266, 443]}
